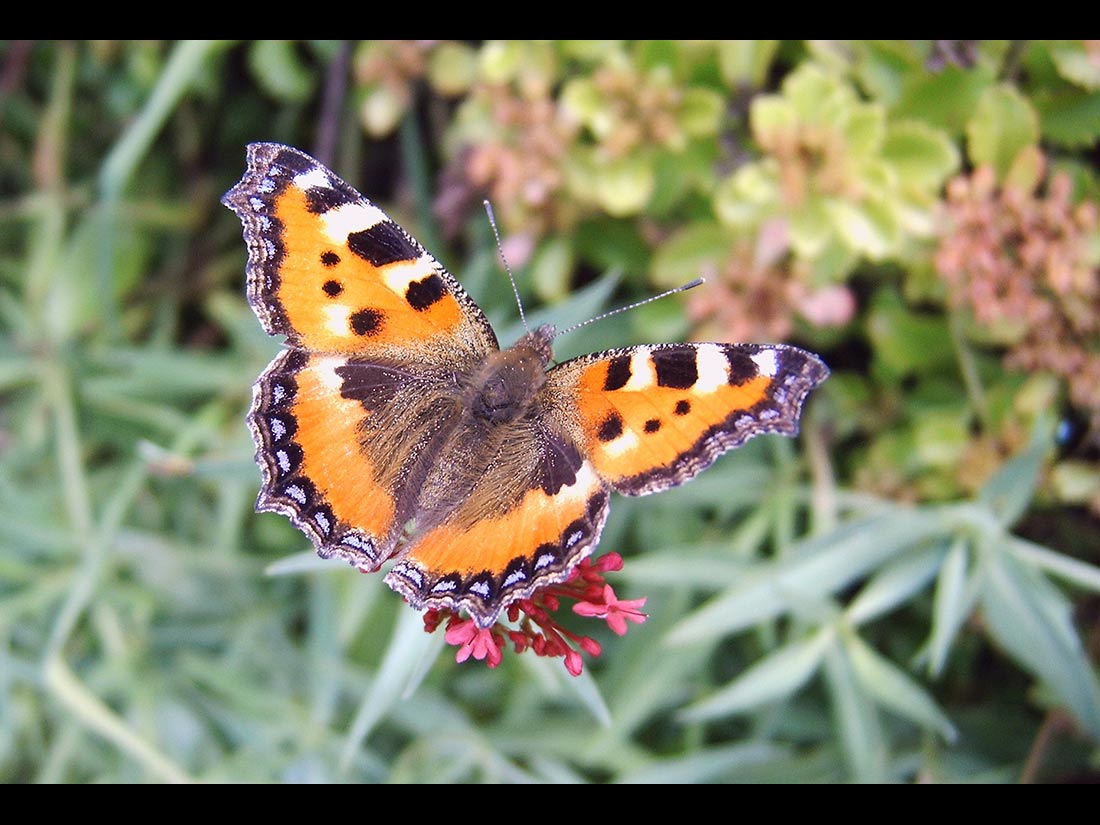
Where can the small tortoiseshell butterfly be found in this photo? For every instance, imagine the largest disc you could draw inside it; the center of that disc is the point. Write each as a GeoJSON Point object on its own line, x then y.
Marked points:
{"type": "Point", "coordinates": [394, 426]}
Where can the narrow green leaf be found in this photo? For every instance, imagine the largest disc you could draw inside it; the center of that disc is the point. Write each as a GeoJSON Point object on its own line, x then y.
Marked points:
{"type": "Point", "coordinates": [1031, 620]}
{"type": "Point", "coordinates": [951, 605]}
{"type": "Point", "coordinates": [857, 718]}
{"type": "Point", "coordinates": [705, 765]}
{"type": "Point", "coordinates": [402, 666]}
{"type": "Point", "coordinates": [774, 677]}
{"type": "Point", "coordinates": [1057, 564]}
{"type": "Point", "coordinates": [892, 585]}
{"type": "Point", "coordinates": [1011, 488]}
{"type": "Point", "coordinates": [895, 689]}
{"type": "Point", "coordinates": [811, 571]}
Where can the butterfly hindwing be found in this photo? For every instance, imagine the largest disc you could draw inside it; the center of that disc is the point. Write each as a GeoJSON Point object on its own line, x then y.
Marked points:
{"type": "Point", "coordinates": [483, 565]}
{"type": "Point", "coordinates": [652, 417]}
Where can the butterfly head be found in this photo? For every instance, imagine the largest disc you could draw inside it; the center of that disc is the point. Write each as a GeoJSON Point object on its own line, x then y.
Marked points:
{"type": "Point", "coordinates": [506, 386]}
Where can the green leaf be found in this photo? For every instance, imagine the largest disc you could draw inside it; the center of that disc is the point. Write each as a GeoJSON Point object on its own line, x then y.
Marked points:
{"type": "Point", "coordinates": [552, 268]}
{"type": "Point", "coordinates": [624, 186]}
{"type": "Point", "coordinates": [864, 130]}
{"type": "Point", "coordinates": [772, 119]}
{"type": "Point", "coordinates": [943, 100]}
{"type": "Point", "coordinates": [857, 718]}
{"type": "Point", "coordinates": [705, 765]}
{"type": "Point", "coordinates": [818, 96]}
{"type": "Point", "coordinates": [1069, 116]}
{"type": "Point", "coordinates": [744, 198]}
{"type": "Point", "coordinates": [1057, 564]}
{"type": "Point", "coordinates": [280, 71]}
{"type": "Point", "coordinates": [404, 665]}
{"type": "Point", "coordinates": [811, 228]}
{"type": "Point", "coordinates": [1003, 124]}
{"type": "Point", "coordinates": [1031, 620]}
{"type": "Point", "coordinates": [883, 65]}
{"type": "Point", "coordinates": [776, 676]}
{"type": "Point", "coordinates": [452, 68]}
{"type": "Point", "coordinates": [865, 228]}
{"type": "Point", "coordinates": [381, 110]}
{"type": "Point", "coordinates": [895, 583]}
{"type": "Point", "coordinates": [905, 342]}
{"type": "Point", "coordinates": [700, 247]}
{"type": "Point", "coordinates": [923, 156]}
{"type": "Point", "coordinates": [809, 573]}
{"type": "Point", "coordinates": [952, 604]}
{"type": "Point", "coordinates": [701, 112]}
{"type": "Point", "coordinates": [893, 688]}
{"type": "Point", "coordinates": [746, 62]}
{"type": "Point", "coordinates": [1077, 64]}
{"type": "Point", "coordinates": [1011, 489]}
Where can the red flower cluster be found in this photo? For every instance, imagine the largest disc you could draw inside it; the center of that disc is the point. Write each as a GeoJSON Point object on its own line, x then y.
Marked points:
{"type": "Point", "coordinates": [532, 623]}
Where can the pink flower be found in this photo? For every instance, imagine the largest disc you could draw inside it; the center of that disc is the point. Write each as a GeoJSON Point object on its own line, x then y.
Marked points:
{"type": "Point", "coordinates": [616, 612]}
{"type": "Point", "coordinates": [481, 643]}
{"type": "Point", "coordinates": [533, 626]}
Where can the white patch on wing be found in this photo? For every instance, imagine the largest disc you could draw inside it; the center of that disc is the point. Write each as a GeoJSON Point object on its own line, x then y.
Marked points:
{"type": "Point", "coordinates": [325, 370]}
{"type": "Point", "coordinates": [399, 275]}
{"type": "Point", "coordinates": [314, 177]}
{"type": "Point", "coordinates": [336, 319]}
{"type": "Point", "coordinates": [642, 373]}
{"type": "Point", "coordinates": [766, 362]}
{"type": "Point", "coordinates": [351, 217]}
{"type": "Point", "coordinates": [713, 368]}
{"type": "Point", "coordinates": [617, 446]}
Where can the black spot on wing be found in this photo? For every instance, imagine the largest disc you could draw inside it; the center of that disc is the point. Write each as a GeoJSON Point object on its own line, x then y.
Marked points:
{"type": "Point", "coordinates": [320, 199]}
{"type": "Point", "coordinates": [742, 367]}
{"type": "Point", "coordinates": [653, 425]}
{"type": "Point", "coordinates": [294, 162]}
{"type": "Point", "coordinates": [611, 428]}
{"type": "Point", "coordinates": [676, 367]}
{"type": "Point", "coordinates": [330, 258]}
{"type": "Point", "coordinates": [618, 373]}
{"type": "Point", "coordinates": [560, 462]}
{"type": "Point", "coordinates": [332, 288]}
{"type": "Point", "coordinates": [596, 503]}
{"type": "Point", "coordinates": [372, 385]}
{"type": "Point", "coordinates": [683, 407]}
{"type": "Point", "coordinates": [366, 321]}
{"type": "Point", "coordinates": [384, 243]}
{"type": "Point", "coordinates": [422, 294]}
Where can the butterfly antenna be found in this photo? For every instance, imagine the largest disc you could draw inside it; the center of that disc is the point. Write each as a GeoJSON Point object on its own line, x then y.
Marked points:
{"type": "Point", "coordinates": [636, 304]}
{"type": "Point", "coordinates": [500, 248]}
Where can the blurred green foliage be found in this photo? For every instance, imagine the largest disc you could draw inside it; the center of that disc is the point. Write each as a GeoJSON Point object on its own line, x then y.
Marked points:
{"type": "Point", "coordinates": [906, 593]}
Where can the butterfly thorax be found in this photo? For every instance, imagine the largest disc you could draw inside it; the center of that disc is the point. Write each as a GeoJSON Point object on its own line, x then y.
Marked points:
{"type": "Point", "coordinates": [506, 385]}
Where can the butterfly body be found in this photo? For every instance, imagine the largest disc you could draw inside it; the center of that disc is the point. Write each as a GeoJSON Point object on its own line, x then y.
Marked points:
{"type": "Point", "coordinates": [394, 427]}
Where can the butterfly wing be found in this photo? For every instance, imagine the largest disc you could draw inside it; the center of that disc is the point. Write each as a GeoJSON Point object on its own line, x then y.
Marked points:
{"type": "Point", "coordinates": [377, 330]}
{"type": "Point", "coordinates": [652, 417]}
{"type": "Point", "coordinates": [525, 525]}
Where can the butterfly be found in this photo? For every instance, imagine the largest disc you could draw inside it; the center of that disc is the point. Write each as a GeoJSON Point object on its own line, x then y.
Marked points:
{"type": "Point", "coordinates": [393, 426]}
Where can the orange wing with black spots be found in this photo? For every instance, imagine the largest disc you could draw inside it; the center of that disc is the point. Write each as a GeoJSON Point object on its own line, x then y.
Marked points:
{"type": "Point", "coordinates": [376, 330]}
{"type": "Point", "coordinates": [652, 417]}
{"type": "Point", "coordinates": [330, 271]}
